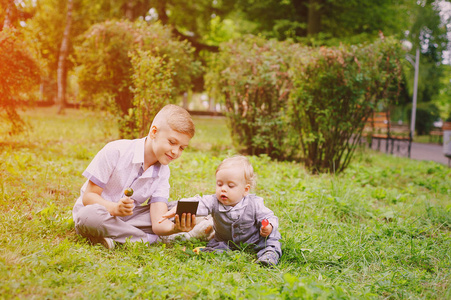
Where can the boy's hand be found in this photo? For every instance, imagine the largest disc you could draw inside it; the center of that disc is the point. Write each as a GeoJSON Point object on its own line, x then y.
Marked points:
{"type": "Point", "coordinates": [265, 230]}
{"type": "Point", "coordinates": [124, 207]}
{"type": "Point", "coordinates": [185, 223]}
{"type": "Point", "coordinates": [168, 215]}
{"type": "Point", "coordinates": [162, 226]}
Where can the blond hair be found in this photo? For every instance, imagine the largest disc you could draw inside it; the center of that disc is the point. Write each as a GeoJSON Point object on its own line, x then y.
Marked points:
{"type": "Point", "coordinates": [242, 161]}
{"type": "Point", "coordinates": [177, 118]}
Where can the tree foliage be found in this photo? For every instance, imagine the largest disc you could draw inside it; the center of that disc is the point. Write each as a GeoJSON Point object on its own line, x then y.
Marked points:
{"type": "Point", "coordinates": [46, 30]}
{"type": "Point", "coordinates": [322, 22]}
{"type": "Point", "coordinates": [13, 12]}
{"type": "Point", "coordinates": [429, 33]}
{"type": "Point", "coordinates": [206, 24]}
{"type": "Point", "coordinates": [190, 20]}
{"type": "Point", "coordinates": [443, 100]}
{"type": "Point", "coordinates": [19, 75]}
{"type": "Point", "coordinates": [327, 21]}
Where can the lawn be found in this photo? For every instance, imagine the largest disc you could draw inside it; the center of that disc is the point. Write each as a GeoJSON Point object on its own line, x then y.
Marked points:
{"type": "Point", "coordinates": [381, 230]}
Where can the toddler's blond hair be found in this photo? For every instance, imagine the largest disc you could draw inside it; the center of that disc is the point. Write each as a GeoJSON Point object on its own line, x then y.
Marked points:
{"type": "Point", "coordinates": [243, 162]}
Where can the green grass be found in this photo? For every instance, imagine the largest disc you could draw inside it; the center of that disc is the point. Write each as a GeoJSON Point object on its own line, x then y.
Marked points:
{"type": "Point", "coordinates": [381, 230]}
{"type": "Point", "coordinates": [428, 139]}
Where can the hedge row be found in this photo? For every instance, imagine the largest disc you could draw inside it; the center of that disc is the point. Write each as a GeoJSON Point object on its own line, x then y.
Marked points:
{"type": "Point", "coordinates": [293, 102]}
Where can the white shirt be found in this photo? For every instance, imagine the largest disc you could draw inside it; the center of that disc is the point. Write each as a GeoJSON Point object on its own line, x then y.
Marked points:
{"type": "Point", "coordinates": [119, 165]}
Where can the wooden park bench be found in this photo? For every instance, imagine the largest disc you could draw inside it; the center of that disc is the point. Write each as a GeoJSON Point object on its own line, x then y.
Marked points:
{"type": "Point", "coordinates": [397, 137]}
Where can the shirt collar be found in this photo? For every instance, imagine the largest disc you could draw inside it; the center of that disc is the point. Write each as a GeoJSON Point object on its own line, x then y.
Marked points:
{"type": "Point", "coordinates": [138, 158]}
{"type": "Point", "coordinates": [240, 205]}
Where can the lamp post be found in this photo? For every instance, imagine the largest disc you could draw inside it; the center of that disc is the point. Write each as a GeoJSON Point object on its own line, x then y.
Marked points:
{"type": "Point", "coordinates": [416, 64]}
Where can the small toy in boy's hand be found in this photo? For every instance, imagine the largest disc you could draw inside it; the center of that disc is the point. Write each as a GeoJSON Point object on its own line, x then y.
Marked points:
{"type": "Point", "coordinates": [128, 192]}
{"type": "Point", "coordinates": [265, 223]}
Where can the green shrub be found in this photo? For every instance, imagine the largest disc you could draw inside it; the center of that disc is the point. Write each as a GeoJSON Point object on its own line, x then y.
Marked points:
{"type": "Point", "coordinates": [335, 91]}
{"type": "Point", "coordinates": [298, 103]}
{"type": "Point", "coordinates": [105, 71]}
{"type": "Point", "coordinates": [153, 87]}
{"type": "Point", "coordinates": [252, 77]}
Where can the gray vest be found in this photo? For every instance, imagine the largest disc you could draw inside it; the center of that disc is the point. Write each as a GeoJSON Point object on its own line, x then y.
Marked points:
{"type": "Point", "coordinates": [245, 229]}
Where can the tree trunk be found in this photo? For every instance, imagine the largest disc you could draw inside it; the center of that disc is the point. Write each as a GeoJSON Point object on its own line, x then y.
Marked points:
{"type": "Point", "coordinates": [161, 10]}
{"type": "Point", "coordinates": [129, 10]}
{"type": "Point", "coordinates": [8, 15]}
{"type": "Point", "coordinates": [314, 17]}
{"type": "Point", "coordinates": [62, 60]}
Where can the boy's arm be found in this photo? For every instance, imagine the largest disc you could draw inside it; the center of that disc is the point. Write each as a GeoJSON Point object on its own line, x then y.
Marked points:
{"type": "Point", "coordinates": [92, 195]}
{"type": "Point", "coordinates": [167, 227]}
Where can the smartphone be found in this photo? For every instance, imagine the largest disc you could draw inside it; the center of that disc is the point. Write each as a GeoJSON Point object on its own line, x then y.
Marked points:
{"type": "Point", "coordinates": [187, 207]}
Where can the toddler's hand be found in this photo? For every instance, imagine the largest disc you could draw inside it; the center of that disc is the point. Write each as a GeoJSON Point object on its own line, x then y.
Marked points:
{"type": "Point", "coordinates": [266, 228]}
{"type": "Point", "coordinates": [125, 207]}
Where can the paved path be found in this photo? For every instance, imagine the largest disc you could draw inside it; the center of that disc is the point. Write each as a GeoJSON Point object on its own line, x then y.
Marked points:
{"type": "Point", "coordinates": [432, 152]}
{"type": "Point", "coordinates": [419, 151]}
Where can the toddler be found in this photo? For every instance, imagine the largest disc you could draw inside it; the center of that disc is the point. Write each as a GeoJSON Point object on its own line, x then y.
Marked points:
{"type": "Point", "coordinates": [239, 217]}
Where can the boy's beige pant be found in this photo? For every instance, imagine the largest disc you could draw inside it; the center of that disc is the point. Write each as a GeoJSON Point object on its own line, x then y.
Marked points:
{"type": "Point", "coordinates": [95, 221]}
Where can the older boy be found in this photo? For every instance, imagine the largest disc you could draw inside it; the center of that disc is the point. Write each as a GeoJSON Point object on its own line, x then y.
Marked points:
{"type": "Point", "coordinates": [104, 214]}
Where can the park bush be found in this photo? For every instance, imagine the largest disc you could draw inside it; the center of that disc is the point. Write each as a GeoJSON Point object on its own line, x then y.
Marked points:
{"type": "Point", "coordinates": [299, 103]}
{"type": "Point", "coordinates": [153, 87]}
{"type": "Point", "coordinates": [106, 72]}
{"type": "Point", "coordinates": [334, 92]}
{"type": "Point", "coordinates": [19, 76]}
{"type": "Point", "coordinates": [251, 76]}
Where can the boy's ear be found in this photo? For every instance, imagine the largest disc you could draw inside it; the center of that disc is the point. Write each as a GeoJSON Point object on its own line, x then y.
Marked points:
{"type": "Point", "coordinates": [153, 131]}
